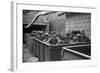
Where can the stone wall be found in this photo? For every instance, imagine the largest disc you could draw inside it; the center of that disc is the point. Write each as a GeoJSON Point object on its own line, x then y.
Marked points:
{"type": "Point", "coordinates": [79, 22]}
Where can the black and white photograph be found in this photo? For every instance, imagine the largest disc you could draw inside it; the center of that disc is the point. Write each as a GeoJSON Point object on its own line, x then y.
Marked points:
{"type": "Point", "coordinates": [55, 36]}
{"type": "Point", "coordinates": [52, 36]}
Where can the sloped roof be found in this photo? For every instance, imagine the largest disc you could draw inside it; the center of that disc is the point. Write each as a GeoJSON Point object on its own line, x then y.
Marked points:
{"type": "Point", "coordinates": [38, 15]}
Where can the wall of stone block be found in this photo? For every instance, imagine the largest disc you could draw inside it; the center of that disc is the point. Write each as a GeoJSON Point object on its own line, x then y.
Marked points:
{"type": "Point", "coordinates": [79, 22]}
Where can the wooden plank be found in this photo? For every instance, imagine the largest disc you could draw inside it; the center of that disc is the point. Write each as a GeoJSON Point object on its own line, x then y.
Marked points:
{"type": "Point", "coordinates": [41, 52]}
{"type": "Point", "coordinates": [46, 53]}
{"type": "Point", "coordinates": [76, 52]}
{"type": "Point", "coordinates": [78, 45]}
{"type": "Point", "coordinates": [55, 53]}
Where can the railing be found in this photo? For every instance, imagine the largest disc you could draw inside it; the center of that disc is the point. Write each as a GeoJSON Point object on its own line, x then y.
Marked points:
{"type": "Point", "coordinates": [48, 52]}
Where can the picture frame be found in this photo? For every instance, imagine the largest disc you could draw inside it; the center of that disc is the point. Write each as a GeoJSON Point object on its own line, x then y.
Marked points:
{"type": "Point", "coordinates": [17, 37]}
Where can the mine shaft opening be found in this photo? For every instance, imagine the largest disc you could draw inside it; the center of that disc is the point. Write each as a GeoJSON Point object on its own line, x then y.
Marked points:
{"type": "Point", "coordinates": [35, 27]}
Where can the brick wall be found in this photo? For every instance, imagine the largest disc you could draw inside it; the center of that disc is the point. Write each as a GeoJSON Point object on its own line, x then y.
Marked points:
{"type": "Point", "coordinates": [79, 22]}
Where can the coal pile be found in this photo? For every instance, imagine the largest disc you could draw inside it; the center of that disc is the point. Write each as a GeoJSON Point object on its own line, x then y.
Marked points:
{"type": "Point", "coordinates": [55, 38]}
